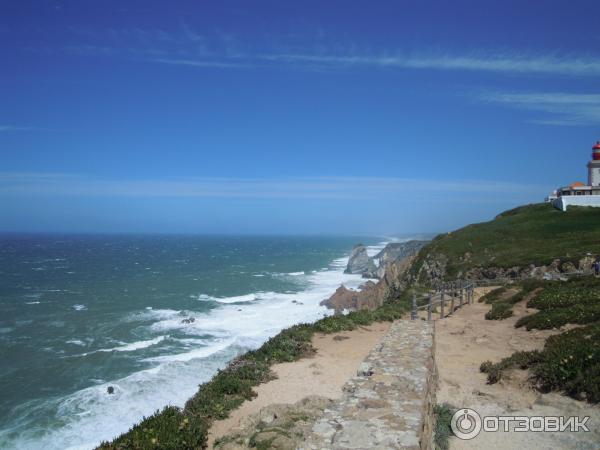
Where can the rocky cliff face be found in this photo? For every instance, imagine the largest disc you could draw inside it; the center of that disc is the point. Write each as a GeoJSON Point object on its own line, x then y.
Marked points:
{"type": "Point", "coordinates": [359, 262]}
{"type": "Point", "coordinates": [394, 261]}
{"type": "Point", "coordinates": [434, 268]}
{"type": "Point", "coordinates": [375, 267]}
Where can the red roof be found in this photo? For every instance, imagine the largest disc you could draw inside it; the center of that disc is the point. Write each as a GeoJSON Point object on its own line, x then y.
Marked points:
{"type": "Point", "coordinates": [597, 146]}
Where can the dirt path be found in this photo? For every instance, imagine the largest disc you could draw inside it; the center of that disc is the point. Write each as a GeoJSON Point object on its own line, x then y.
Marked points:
{"type": "Point", "coordinates": [463, 342]}
{"type": "Point", "coordinates": [337, 360]}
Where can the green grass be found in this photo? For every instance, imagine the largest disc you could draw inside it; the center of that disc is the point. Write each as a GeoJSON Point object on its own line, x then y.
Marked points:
{"type": "Point", "coordinates": [576, 301]}
{"type": "Point", "coordinates": [522, 360]}
{"type": "Point", "coordinates": [502, 306]}
{"type": "Point", "coordinates": [187, 428]}
{"type": "Point", "coordinates": [499, 311]}
{"type": "Point", "coordinates": [569, 362]}
{"type": "Point", "coordinates": [443, 415]}
{"type": "Point", "coordinates": [533, 234]}
{"type": "Point", "coordinates": [493, 295]}
{"type": "Point", "coordinates": [556, 318]}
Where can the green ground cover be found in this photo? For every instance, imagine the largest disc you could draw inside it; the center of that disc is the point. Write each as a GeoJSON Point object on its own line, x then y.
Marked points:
{"type": "Point", "coordinates": [576, 301]}
{"type": "Point", "coordinates": [533, 234]}
{"type": "Point", "coordinates": [569, 362]}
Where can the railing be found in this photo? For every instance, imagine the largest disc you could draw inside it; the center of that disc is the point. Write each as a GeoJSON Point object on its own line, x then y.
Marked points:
{"type": "Point", "coordinates": [456, 294]}
{"type": "Point", "coordinates": [453, 295]}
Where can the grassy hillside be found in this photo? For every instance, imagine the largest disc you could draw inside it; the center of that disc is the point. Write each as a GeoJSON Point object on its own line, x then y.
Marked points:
{"type": "Point", "coordinates": [533, 234]}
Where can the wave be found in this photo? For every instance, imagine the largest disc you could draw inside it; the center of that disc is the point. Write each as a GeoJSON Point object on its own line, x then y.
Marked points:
{"type": "Point", "coordinates": [233, 325]}
{"type": "Point", "coordinates": [135, 345]}
{"type": "Point", "coordinates": [79, 307]}
{"type": "Point", "coordinates": [194, 354]}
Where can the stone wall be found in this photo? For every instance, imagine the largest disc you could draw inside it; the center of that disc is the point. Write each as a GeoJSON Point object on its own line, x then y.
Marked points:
{"type": "Point", "coordinates": [389, 403]}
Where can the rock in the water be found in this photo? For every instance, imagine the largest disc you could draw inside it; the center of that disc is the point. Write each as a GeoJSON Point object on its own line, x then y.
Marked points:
{"type": "Point", "coordinates": [360, 262]}
{"type": "Point", "coordinates": [188, 320]}
{"type": "Point", "coordinates": [110, 390]}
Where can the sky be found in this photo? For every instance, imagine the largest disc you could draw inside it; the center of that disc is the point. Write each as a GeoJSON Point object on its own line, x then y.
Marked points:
{"type": "Point", "coordinates": [281, 117]}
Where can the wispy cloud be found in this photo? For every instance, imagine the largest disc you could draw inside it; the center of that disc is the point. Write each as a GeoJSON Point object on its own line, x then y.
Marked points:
{"type": "Point", "coordinates": [41, 184]}
{"type": "Point", "coordinates": [20, 128]}
{"type": "Point", "coordinates": [205, 63]}
{"type": "Point", "coordinates": [186, 46]}
{"type": "Point", "coordinates": [560, 108]}
{"type": "Point", "coordinates": [486, 61]}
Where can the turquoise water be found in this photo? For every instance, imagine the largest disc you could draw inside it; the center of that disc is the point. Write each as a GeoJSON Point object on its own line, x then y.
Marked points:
{"type": "Point", "coordinates": [152, 316]}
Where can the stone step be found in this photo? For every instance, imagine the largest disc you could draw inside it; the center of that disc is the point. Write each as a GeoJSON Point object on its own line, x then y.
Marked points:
{"type": "Point", "coordinates": [389, 403]}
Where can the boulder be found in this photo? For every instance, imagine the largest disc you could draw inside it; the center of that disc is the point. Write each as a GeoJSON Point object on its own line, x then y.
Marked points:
{"type": "Point", "coordinates": [585, 264]}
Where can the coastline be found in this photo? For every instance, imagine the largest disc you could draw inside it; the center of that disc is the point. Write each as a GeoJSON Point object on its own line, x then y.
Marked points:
{"type": "Point", "coordinates": [336, 359]}
{"type": "Point", "coordinates": [173, 353]}
{"type": "Point", "coordinates": [217, 398]}
{"type": "Point", "coordinates": [282, 308]}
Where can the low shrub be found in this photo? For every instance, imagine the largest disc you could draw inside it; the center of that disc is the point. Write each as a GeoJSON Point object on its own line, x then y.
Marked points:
{"type": "Point", "coordinates": [555, 318]}
{"type": "Point", "coordinates": [569, 362]}
{"type": "Point", "coordinates": [493, 295]}
{"type": "Point", "coordinates": [565, 295]}
{"type": "Point", "coordinates": [499, 311]}
{"type": "Point", "coordinates": [443, 415]}
{"type": "Point", "coordinates": [522, 360]}
{"type": "Point", "coordinates": [168, 429]}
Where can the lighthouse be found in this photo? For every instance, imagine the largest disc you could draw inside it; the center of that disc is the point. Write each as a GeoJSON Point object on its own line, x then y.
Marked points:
{"type": "Point", "coordinates": [594, 166]}
{"type": "Point", "coordinates": [579, 194]}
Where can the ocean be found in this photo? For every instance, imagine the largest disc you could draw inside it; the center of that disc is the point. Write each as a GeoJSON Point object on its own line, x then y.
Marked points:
{"type": "Point", "coordinates": [151, 316]}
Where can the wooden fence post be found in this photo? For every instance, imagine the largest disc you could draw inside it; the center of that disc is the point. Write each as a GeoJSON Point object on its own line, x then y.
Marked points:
{"type": "Point", "coordinates": [442, 299]}
{"type": "Point", "coordinates": [429, 308]}
{"type": "Point", "coordinates": [413, 313]}
{"type": "Point", "coordinates": [451, 299]}
{"type": "Point", "coordinates": [460, 292]}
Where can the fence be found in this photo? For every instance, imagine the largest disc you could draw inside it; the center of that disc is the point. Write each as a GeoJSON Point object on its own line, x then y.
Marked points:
{"type": "Point", "coordinates": [452, 295]}
{"type": "Point", "coordinates": [455, 294]}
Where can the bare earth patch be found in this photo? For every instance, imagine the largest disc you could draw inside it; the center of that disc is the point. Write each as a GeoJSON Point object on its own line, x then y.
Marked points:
{"type": "Point", "coordinates": [337, 359]}
{"type": "Point", "coordinates": [463, 342]}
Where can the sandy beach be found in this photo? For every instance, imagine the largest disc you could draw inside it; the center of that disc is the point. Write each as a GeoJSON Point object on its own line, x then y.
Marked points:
{"type": "Point", "coordinates": [336, 360]}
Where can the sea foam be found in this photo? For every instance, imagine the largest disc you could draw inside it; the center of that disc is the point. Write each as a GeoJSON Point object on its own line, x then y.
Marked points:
{"type": "Point", "coordinates": [236, 324]}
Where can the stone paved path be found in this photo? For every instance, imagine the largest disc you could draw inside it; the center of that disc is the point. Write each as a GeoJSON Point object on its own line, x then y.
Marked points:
{"type": "Point", "coordinates": [389, 403]}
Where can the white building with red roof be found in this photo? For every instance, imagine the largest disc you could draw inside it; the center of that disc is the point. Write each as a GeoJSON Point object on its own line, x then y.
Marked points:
{"type": "Point", "coordinates": [578, 193]}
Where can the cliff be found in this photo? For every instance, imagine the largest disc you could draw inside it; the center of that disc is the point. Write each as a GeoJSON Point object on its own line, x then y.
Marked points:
{"type": "Point", "coordinates": [359, 261]}
{"type": "Point", "coordinates": [392, 263]}
{"type": "Point", "coordinates": [533, 241]}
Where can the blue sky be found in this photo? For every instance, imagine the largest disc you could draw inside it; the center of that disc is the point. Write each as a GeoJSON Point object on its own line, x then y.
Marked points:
{"type": "Point", "coordinates": [264, 117]}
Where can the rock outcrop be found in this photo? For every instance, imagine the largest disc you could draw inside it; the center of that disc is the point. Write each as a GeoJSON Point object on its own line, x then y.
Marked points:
{"type": "Point", "coordinates": [374, 267]}
{"type": "Point", "coordinates": [434, 268]}
{"type": "Point", "coordinates": [359, 261]}
{"type": "Point", "coordinates": [395, 251]}
{"type": "Point", "coordinates": [349, 299]}
{"type": "Point", "coordinates": [392, 252]}
{"type": "Point", "coordinates": [389, 265]}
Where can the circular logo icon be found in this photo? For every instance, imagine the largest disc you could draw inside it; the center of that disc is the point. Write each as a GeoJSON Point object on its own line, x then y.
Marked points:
{"type": "Point", "coordinates": [465, 424]}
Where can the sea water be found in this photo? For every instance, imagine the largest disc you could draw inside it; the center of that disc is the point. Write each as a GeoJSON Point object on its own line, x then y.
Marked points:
{"type": "Point", "coordinates": [151, 316]}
